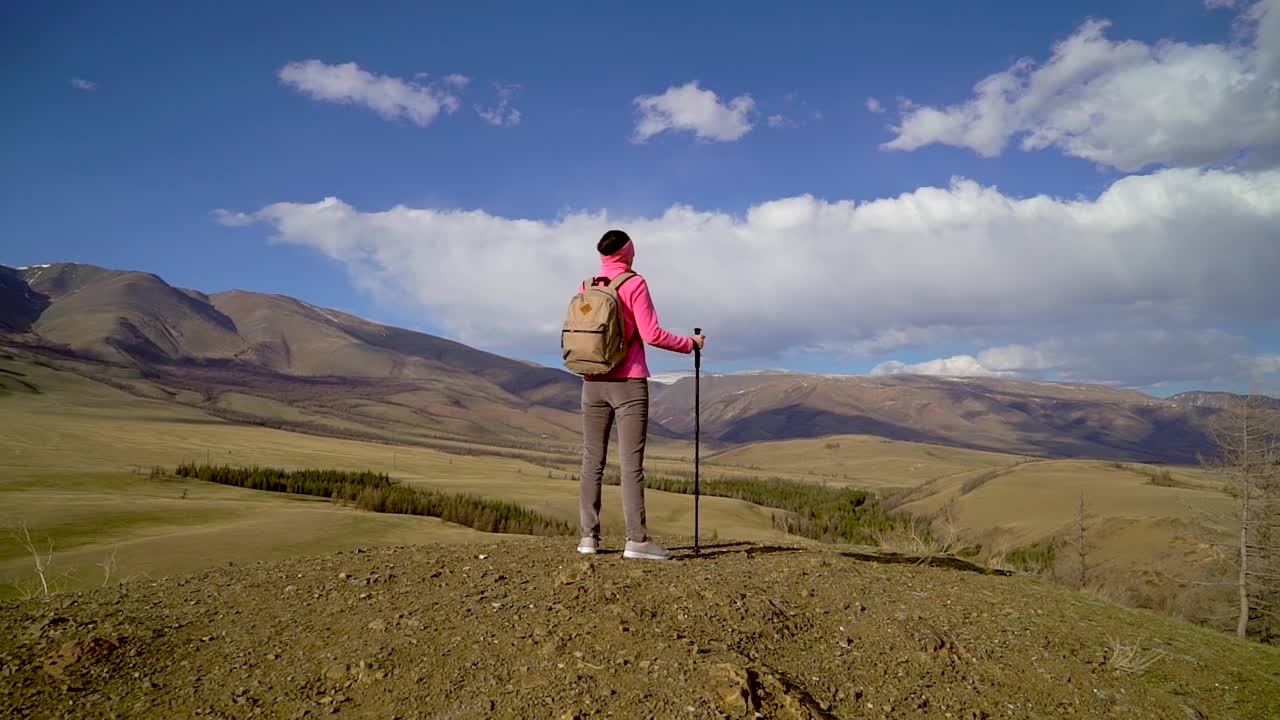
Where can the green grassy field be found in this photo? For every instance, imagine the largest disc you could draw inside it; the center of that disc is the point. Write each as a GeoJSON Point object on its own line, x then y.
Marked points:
{"type": "Point", "coordinates": [74, 456]}
{"type": "Point", "coordinates": [1146, 543]}
{"type": "Point", "coordinates": [1015, 500]}
{"type": "Point", "coordinates": [860, 460]}
{"type": "Point", "coordinates": [145, 527]}
{"type": "Point", "coordinates": [74, 459]}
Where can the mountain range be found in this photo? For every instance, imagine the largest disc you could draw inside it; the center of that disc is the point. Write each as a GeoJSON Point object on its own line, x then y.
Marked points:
{"type": "Point", "coordinates": [278, 361]}
{"type": "Point", "coordinates": [1037, 418]}
{"type": "Point", "coordinates": [271, 358]}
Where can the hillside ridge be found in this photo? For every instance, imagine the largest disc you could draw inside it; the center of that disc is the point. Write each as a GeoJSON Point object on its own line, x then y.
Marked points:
{"type": "Point", "coordinates": [525, 628]}
{"type": "Point", "coordinates": [274, 359]}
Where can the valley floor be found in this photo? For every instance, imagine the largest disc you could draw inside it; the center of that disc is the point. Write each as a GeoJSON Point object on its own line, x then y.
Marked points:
{"type": "Point", "coordinates": [75, 456]}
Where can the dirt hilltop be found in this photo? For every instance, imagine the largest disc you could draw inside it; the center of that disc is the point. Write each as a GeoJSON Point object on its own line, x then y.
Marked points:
{"type": "Point", "coordinates": [527, 628]}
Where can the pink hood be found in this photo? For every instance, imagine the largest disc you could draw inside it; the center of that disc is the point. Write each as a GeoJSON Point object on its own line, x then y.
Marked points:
{"type": "Point", "coordinates": [618, 262]}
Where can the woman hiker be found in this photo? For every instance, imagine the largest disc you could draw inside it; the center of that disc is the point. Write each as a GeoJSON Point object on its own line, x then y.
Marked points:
{"type": "Point", "coordinates": [623, 394]}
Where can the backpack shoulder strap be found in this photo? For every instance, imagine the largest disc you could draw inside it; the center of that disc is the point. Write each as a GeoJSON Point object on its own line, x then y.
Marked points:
{"type": "Point", "coordinates": [615, 285]}
{"type": "Point", "coordinates": [620, 278]}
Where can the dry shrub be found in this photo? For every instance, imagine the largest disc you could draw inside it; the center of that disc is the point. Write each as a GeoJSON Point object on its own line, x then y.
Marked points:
{"type": "Point", "coordinates": [1130, 658]}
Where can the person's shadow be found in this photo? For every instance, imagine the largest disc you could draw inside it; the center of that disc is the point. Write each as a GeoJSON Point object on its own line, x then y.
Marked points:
{"type": "Point", "coordinates": [730, 548]}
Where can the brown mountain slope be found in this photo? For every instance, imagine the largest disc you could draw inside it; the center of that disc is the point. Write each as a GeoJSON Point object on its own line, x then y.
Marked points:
{"type": "Point", "coordinates": [20, 306]}
{"type": "Point", "coordinates": [1215, 400]}
{"type": "Point", "coordinates": [1036, 418]}
{"type": "Point", "coordinates": [293, 337]}
{"type": "Point", "coordinates": [276, 360]}
{"type": "Point", "coordinates": [127, 315]}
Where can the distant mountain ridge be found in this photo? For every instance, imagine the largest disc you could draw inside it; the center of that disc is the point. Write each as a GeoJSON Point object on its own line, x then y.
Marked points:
{"type": "Point", "coordinates": [1017, 416]}
{"type": "Point", "coordinates": [120, 315]}
{"type": "Point", "coordinates": [277, 360]}
{"type": "Point", "coordinates": [234, 349]}
{"type": "Point", "coordinates": [1217, 400]}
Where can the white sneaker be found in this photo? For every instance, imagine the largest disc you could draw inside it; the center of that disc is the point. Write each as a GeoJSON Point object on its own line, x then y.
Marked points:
{"type": "Point", "coordinates": [588, 546]}
{"type": "Point", "coordinates": [647, 550]}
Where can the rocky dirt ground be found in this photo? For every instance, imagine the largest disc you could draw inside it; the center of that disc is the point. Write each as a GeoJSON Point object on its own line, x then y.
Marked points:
{"type": "Point", "coordinates": [527, 628]}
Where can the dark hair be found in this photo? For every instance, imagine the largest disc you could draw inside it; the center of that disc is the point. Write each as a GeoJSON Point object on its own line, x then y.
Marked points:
{"type": "Point", "coordinates": [612, 242]}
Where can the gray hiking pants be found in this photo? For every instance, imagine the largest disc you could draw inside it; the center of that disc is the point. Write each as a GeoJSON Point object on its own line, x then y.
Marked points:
{"type": "Point", "coordinates": [602, 402]}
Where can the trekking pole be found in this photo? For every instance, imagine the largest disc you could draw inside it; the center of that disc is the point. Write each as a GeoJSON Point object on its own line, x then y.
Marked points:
{"type": "Point", "coordinates": [697, 432]}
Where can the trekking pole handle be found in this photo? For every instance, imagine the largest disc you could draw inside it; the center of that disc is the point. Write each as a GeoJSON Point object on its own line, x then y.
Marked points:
{"type": "Point", "coordinates": [697, 351]}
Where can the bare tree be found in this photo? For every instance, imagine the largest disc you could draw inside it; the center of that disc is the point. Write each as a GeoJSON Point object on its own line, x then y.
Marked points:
{"type": "Point", "coordinates": [109, 566]}
{"type": "Point", "coordinates": [1247, 437]}
{"type": "Point", "coordinates": [1083, 548]}
{"type": "Point", "coordinates": [22, 536]}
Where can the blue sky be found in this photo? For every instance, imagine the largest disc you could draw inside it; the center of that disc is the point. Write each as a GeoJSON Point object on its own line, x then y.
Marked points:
{"type": "Point", "coordinates": [129, 126]}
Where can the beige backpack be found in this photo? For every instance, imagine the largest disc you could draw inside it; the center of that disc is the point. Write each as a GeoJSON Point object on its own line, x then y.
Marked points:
{"type": "Point", "coordinates": [593, 341]}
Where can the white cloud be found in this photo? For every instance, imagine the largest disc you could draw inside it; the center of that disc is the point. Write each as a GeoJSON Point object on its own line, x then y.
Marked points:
{"type": "Point", "coordinates": [456, 80]}
{"type": "Point", "coordinates": [668, 378]}
{"type": "Point", "coordinates": [1024, 359]}
{"type": "Point", "coordinates": [1177, 250]}
{"type": "Point", "coordinates": [890, 339]}
{"type": "Point", "coordinates": [82, 84]}
{"type": "Point", "coordinates": [798, 116]}
{"type": "Point", "coordinates": [1219, 4]}
{"type": "Point", "coordinates": [1260, 373]}
{"type": "Point", "coordinates": [390, 97]}
{"type": "Point", "coordinates": [1124, 104]}
{"type": "Point", "coordinates": [954, 366]}
{"type": "Point", "coordinates": [1137, 358]}
{"type": "Point", "coordinates": [690, 108]}
{"type": "Point", "coordinates": [233, 219]}
{"type": "Point", "coordinates": [502, 115]}
{"type": "Point", "coordinates": [874, 105]}
{"type": "Point", "coordinates": [886, 340]}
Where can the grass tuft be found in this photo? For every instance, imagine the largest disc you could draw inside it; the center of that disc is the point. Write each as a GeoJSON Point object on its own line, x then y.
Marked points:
{"type": "Point", "coordinates": [1130, 658]}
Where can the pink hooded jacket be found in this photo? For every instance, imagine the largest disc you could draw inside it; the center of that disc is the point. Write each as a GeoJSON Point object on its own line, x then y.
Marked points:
{"type": "Point", "coordinates": [637, 312]}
